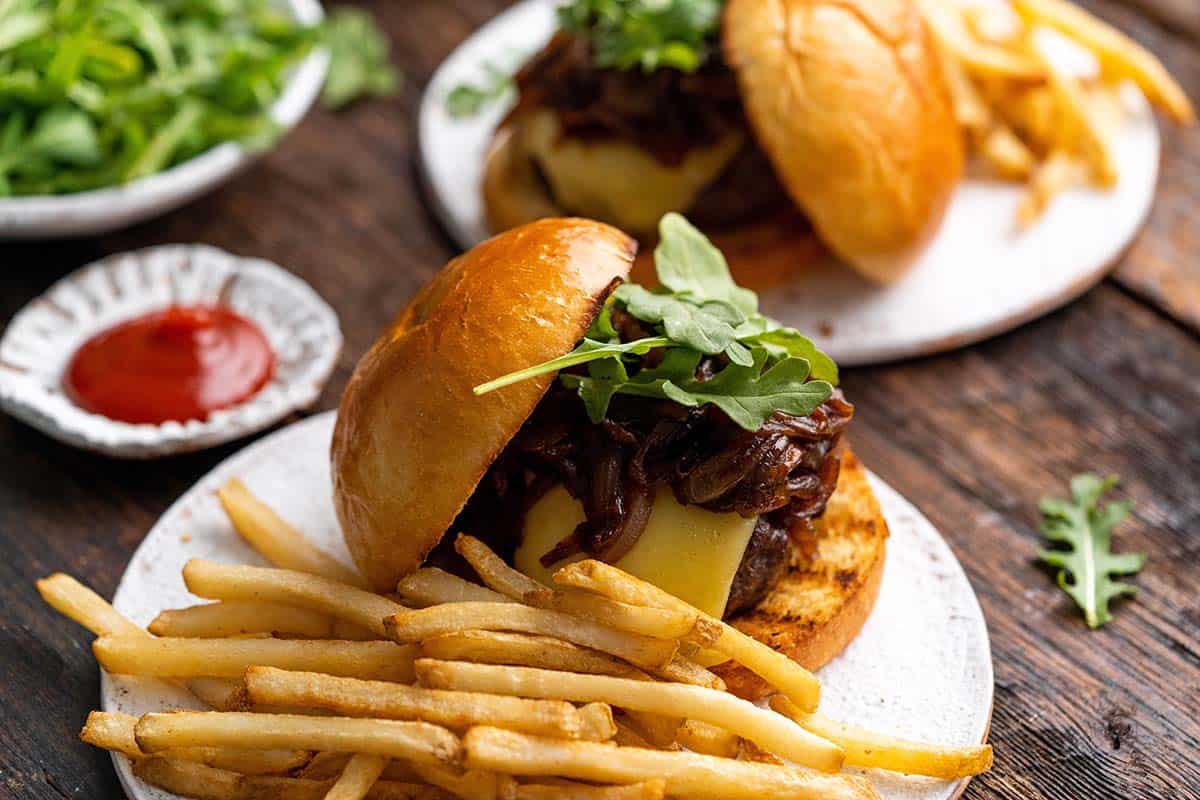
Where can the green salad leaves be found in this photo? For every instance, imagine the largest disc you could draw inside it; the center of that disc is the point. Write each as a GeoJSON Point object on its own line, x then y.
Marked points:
{"type": "Point", "coordinates": [646, 34]}
{"type": "Point", "coordinates": [1084, 529]}
{"type": "Point", "coordinates": [97, 93]}
{"type": "Point", "coordinates": [698, 312]}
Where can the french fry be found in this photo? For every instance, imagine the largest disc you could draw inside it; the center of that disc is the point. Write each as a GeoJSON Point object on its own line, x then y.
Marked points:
{"type": "Point", "coordinates": [657, 622]}
{"type": "Point", "coordinates": [563, 790]}
{"type": "Point", "coordinates": [1120, 57]}
{"type": "Point", "coordinates": [77, 602]}
{"type": "Point", "coordinates": [970, 109]}
{"type": "Point", "coordinates": [276, 540]}
{"type": "Point", "coordinates": [1006, 154]}
{"type": "Point", "coordinates": [1058, 172]}
{"type": "Point", "coordinates": [429, 586]}
{"type": "Point", "coordinates": [691, 775]}
{"type": "Point", "coordinates": [425, 623]}
{"type": "Point", "coordinates": [235, 618]}
{"type": "Point", "coordinates": [313, 592]}
{"type": "Point", "coordinates": [230, 658]}
{"type": "Point", "coordinates": [113, 731]}
{"type": "Point", "coordinates": [866, 748]}
{"type": "Point", "coordinates": [702, 737]}
{"type": "Point", "coordinates": [683, 670]}
{"type": "Point", "coordinates": [769, 730]}
{"type": "Point", "coordinates": [628, 735]}
{"type": "Point", "coordinates": [470, 785]}
{"type": "Point", "coordinates": [979, 58]}
{"type": "Point", "coordinates": [324, 766]}
{"type": "Point", "coordinates": [418, 742]}
{"type": "Point", "coordinates": [356, 780]}
{"type": "Point", "coordinates": [492, 570]}
{"type": "Point", "coordinates": [658, 729]}
{"type": "Point", "coordinates": [459, 710]}
{"type": "Point", "coordinates": [775, 668]}
{"type": "Point", "coordinates": [522, 649]}
{"type": "Point", "coordinates": [189, 779]}
{"type": "Point", "coordinates": [596, 722]}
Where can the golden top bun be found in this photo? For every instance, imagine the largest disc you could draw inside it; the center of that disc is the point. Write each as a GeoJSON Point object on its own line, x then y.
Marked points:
{"type": "Point", "coordinates": [411, 440]}
{"type": "Point", "coordinates": [760, 255]}
{"type": "Point", "coordinates": [848, 100]}
{"type": "Point", "coordinates": [822, 602]}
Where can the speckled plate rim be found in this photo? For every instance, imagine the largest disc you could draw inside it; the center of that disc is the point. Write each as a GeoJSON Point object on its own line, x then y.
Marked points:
{"type": "Point", "coordinates": [293, 462]}
{"type": "Point", "coordinates": [37, 404]}
{"type": "Point", "coordinates": [110, 208]}
{"type": "Point", "coordinates": [976, 280]}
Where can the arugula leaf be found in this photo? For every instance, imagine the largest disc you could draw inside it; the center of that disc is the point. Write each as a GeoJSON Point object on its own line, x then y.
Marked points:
{"type": "Point", "coordinates": [468, 99]}
{"type": "Point", "coordinates": [608, 377]}
{"type": "Point", "coordinates": [588, 350]}
{"type": "Point", "coordinates": [707, 328]}
{"type": "Point", "coordinates": [650, 34]}
{"type": "Point", "coordinates": [1088, 562]}
{"type": "Point", "coordinates": [784, 342]}
{"type": "Point", "coordinates": [358, 59]}
{"type": "Point", "coordinates": [689, 264]}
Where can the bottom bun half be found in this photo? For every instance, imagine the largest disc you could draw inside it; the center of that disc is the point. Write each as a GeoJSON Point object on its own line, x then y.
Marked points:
{"type": "Point", "coordinates": [760, 255]}
{"type": "Point", "coordinates": [822, 602]}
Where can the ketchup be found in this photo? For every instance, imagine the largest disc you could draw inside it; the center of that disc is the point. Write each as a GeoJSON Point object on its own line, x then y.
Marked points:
{"type": "Point", "coordinates": [179, 364]}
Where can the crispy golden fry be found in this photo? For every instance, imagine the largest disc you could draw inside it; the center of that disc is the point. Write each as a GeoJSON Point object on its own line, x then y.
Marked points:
{"type": "Point", "coordinates": [1058, 172]}
{"type": "Point", "coordinates": [596, 722]}
{"type": "Point", "coordinates": [229, 658]}
{"type": "Point", "coordinates": [777, 669]}
{"type": "Point", "coordinates": [656, 729]}
{"type": "Point", "coordinates": [703, 737]}
{"type": "Point", "coordinates": [866, 748]}
{"type": "Point", "coordinates": [79, 603]}
{"type": "Point", "coordinates": [208, 783]}
{"type": "Point", "coordinates": [771, 731]}
{"type": "Point", "coordinates": [1006, 154]}
{"type": "Point", "coordinates": [1120, 57]}
{"type": "Point", "coordinates": [430, 586]}
{"type": "Point", "coordinates": [691, 775]}
{"type": "Point", "coordinates": [222, 694]}
{"type": "Point", "coordinates": [470, 785]}
{"type": "Point", "coordinates": [970, 109]}
{"type": "Point", "coordinates": [113, 731]}
{"type": "Point", "coordinates": [416, 741]}
{"type": "Point", "coordinates": [425, 623]}
{"type": "Point", "coordinates": [265, 584]}
{"type": "Point", "coordinates": [567, 790]}
{"type": "Point", "coordinates": [235, 618]}
{"type": "Point", "coordinates": [459, 710]}
{"type": "Point", "coordinates": [356, 780]}
{"type": "Point", "coordinates": [324, 766]}
{"type": "Point", "coordinates": [492, 570]}
{"type": "Point", "coordinates": [683, 670]}
{"type": "Point", "coordinates": [525, 650]}
{"type": "Point", "coordinates": [993, 23]}
{"type": "Point", "coordinates": [657, 622]}
{"type": "Point", "coordinates": [276, 540]}
{"type": "Point", "coordinates": [979, 58]}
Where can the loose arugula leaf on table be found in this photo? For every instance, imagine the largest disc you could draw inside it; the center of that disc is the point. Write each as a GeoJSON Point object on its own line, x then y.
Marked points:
{"type": "Point", "coordinates": [679, 34]}
{"type": "Point", "coordinates": [358, 59]}
{"type": "Point", "coordinates": [1085, 529]}
{"type": "Point", "coordinates": [762, 367]}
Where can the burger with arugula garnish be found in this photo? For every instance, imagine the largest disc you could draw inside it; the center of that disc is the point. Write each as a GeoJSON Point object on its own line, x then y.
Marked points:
{"type": "Point", "coordinates": [531, 397]}
{"type": "Point", "coordinates": [773, 124]}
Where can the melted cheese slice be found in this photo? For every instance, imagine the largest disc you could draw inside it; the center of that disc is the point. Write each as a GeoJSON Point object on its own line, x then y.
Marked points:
{"type": "Point", "coordinates": [618, 182]}
{"type": "Point", "coordinates": [685, 550]}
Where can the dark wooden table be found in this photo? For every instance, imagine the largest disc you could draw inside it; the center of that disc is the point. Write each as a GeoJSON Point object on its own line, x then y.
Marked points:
{"type": "Point", "coordinates": [974, 438]}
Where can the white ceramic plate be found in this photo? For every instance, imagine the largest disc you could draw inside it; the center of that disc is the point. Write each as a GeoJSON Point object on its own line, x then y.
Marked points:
{"type": "Point", "coordinates": [103, 210]}
{"type": "Point", "coordinates": [980, 277]}
{"type": "Point", "coordinates": [38, 344]}
{"type": "Point", "coordinates": [921, 667]}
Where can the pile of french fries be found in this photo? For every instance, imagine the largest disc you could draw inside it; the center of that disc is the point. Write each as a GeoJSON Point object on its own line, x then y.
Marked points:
{"type": "Point", "coordinates": [1025, 113]}
{"type": "Point", "coordinates": [505, 690]}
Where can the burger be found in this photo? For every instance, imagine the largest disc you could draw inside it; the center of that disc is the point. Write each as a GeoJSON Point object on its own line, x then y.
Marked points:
{"type": "Point", "coordinates": [773, 124]}
{"type": "Point", "coordinates": [531, 397]}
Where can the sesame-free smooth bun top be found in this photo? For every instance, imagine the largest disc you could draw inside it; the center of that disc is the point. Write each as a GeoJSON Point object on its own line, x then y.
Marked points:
{"type": "Point", "coordinates": [848, 100]}
{"type": "Point", "coordinates": [412, 440]}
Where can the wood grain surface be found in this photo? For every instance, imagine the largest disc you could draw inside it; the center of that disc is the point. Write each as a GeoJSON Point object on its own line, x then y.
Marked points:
{"type": "Point", "coordinates": [973, 438]}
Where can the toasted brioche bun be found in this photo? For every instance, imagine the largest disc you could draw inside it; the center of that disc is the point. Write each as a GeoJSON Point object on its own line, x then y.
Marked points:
{"type": "Point", "coordinates": [760, 254]}
{"type": "Point", "coordinates": [821, 604]}
{"type": "Point", "coordinates": [848, 100]}
{"type": "Point", "coordinates": [411, 440]}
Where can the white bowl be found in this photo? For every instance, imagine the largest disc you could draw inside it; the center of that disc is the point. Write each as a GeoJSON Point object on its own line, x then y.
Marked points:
{"type": "Point", "coordinates": [38, 344]}
{"type": "Point", "coordinates": [103, 210]}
